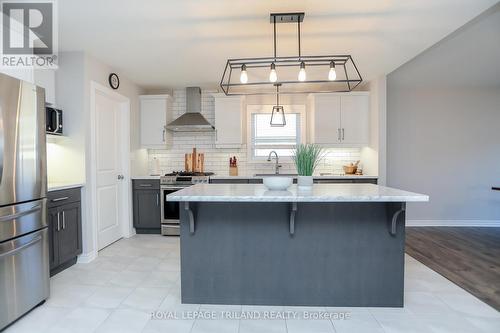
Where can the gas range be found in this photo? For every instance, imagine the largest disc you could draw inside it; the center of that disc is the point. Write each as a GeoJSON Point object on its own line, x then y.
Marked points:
{"type": "Point", "coordinates": [170, 183]}
{"type": "Point", "coordinates": [184, 178]}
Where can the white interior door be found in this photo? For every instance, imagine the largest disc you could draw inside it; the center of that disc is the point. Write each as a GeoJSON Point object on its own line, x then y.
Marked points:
{"type": "Point", "coordinates": [108, 169]}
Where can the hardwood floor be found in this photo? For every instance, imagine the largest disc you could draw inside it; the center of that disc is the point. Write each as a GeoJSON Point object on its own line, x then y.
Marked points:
{"type": "Point", "coordinates": [469, 257]}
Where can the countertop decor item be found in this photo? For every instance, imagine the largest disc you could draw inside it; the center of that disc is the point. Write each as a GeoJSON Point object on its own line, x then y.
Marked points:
{"type": "Point", "coordinates": [306, 158]}
{"type": "Point", "coordinates": [351, 168]}
{"type": "Point", "coordinates": [194, 162]}
{"type": "Point", "coordinates": [297, 74]}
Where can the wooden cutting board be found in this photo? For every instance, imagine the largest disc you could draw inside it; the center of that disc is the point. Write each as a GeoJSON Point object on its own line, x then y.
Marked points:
{"type": "Point", "coordinates": [200, 162]}
{"type": "Point", "coordinates": [188, 162]}
{"type": "Point", "coordinates": [194, 162]}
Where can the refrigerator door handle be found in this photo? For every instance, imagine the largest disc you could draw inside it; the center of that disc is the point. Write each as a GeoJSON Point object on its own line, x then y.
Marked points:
{"type": "Point", "coordinates": [17, 249]}
{"type": "Point", "coordinates": [19, 214]}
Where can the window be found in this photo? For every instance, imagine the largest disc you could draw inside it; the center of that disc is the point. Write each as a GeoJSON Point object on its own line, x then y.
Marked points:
{"type": "Point", "coordinates": [281, 139]}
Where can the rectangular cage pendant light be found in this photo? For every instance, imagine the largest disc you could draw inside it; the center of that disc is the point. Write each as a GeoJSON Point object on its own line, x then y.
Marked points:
{"type": "Point", "coordinates": [278, 114]}
{"type": "Point", "coordinates": [295, 74]}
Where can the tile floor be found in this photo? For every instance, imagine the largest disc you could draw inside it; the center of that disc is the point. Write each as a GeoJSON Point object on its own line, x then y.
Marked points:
{"type": "Point", "coordinates": [134, 277]}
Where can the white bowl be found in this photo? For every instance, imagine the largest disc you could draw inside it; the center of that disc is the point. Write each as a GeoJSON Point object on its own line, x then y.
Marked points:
{"type": "Point", "coordinates": [278, 183]}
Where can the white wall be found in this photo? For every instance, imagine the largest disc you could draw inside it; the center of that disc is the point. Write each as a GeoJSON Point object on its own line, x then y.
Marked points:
{"type": "Point", "coordinates": [66, 156]}
{"type": "Point", "coordinates": [374, 156]}
{"type": "Point", "coordinates": [443, 127]}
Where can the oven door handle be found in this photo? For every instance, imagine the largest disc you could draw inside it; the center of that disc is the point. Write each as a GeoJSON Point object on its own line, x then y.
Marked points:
{"type": "Point", "coordinates": [173, 187]}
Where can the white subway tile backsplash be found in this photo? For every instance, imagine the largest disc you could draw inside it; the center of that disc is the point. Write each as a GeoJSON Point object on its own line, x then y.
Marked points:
{"type": "Point", "coordinates": [217, 160]}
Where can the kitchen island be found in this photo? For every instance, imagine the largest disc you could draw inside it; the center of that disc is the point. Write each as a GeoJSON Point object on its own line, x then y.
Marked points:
{"type": "Point", "coordinates": [333, 245]}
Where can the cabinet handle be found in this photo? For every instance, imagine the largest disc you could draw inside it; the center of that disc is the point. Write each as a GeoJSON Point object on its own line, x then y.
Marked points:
{"type": "Point", "coordinates": [338, 134]}
{"type": "Point", "coordinates": [343, 135]}
{"type": "Point", "coordinates": [163, 135]}
{"type": "Point", "coordinates": [157, 199]}
{"type": "Point", "coordinates": [64, 221]}
{"type": "Point", "coordinates": [60, 199]}
{"type": "Point", "coordinates": [145, 185]}
{"type": "Point", "coordinates": [58, 222]}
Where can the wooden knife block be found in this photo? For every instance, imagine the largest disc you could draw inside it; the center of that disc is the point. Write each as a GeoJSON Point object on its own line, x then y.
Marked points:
{"type": "Point", "coordinates": [233, 171]}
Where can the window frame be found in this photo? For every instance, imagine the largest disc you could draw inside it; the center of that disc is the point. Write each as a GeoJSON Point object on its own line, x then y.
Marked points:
{"type": "Point", "coordinates": [267, 109]}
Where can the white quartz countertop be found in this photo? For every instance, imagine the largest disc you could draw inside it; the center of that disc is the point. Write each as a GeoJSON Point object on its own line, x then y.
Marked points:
{"type": "Point", "coordinates": [146, 177]}
{"type": "Point", "coordinates": [63, 186]}
{"type": "Point", "coordinates": [318, 193]}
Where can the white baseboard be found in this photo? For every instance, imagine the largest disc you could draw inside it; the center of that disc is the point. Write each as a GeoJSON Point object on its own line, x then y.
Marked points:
{"type": "Point", "coordinates": [453, 223]}
{"type": "Point", "coordinates": [86, 258]}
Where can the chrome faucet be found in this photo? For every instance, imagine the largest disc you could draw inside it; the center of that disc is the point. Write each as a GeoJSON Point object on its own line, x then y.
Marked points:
{"type": "Point", "coordinates": [277, 166]}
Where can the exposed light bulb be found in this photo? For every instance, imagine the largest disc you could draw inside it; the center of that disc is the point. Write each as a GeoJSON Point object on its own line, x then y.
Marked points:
{"type": "Point", "coordinates": [243, 75]}
{"type": "Point", "coordinates": [332, 75]}
{"type": "Point", "coordinates": [273, 76]}
{"type": "Point", "coordinates": [302, 72]}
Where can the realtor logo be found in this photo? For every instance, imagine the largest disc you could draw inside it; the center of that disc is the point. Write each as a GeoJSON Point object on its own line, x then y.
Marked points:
{"type": "Point", "coordinates": [28, 34]}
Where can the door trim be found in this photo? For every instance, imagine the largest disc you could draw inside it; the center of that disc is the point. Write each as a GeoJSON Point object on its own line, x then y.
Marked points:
{"type": "Point", "coordinates": [126, 223]}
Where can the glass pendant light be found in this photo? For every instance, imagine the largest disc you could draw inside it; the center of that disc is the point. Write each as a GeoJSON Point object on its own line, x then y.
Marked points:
{"type": "Point", "coordinates": [243, 75]}
{"type": "Point", "coordinates": [332, 75]}
{"type": "Point", "coordinates": [278, 114]}
{"type": "Point", "coordinates": [273, 76]}
{"type": "Point", "coordinates": [302, 72]}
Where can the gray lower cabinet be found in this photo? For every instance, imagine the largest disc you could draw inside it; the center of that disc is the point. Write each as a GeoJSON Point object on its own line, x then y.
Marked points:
{"type": "Point", "coordinates": [65, 228]}
{"type": "Point", "coordinates": [147, 206]}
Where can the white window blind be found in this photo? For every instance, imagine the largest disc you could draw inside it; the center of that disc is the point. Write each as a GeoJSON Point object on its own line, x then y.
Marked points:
{"type": "Point", "coordinates": [281, 139]}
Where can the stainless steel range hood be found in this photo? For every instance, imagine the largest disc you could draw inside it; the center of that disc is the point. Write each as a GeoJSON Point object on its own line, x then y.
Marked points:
{"type": "Point", "coordinates": [192, 120]}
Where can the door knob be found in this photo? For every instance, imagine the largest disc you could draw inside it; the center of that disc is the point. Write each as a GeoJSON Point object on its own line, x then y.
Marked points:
{"type": "Point", "coordinates": [120, 177]}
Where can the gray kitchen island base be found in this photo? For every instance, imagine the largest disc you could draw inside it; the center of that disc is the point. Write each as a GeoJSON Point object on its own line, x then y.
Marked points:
{"type": "Point", "coordinates": [293, 254]}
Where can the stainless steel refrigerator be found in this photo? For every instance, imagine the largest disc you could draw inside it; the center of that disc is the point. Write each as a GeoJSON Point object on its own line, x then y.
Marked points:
{"type": "Point", "coordinates": [24, 253]}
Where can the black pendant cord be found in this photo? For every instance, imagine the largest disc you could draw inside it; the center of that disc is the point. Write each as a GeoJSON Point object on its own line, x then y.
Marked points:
{"type": "Point", "coordinates": [298, 32]}
{"type": "Point", "coordinates": [277, 95]}
{"type": "Point", "coordinates": [274, 18]}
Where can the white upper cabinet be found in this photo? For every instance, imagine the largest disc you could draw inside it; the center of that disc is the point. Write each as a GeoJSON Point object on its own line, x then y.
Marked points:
{"type": "Point", "coordinates": [229, 121]}
{"type": "Point", "coordinates": [155, 114]}
{"type": "Point", "coordinates": [355, 119]}
{"type": "Point", "coordinates": [326, 120]}
{"type": "Point", "coordinates": [341, 119]}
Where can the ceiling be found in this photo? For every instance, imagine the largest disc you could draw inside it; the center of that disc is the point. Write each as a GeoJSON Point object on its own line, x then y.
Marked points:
{"type": "Point", "coordinates": [171, 44]}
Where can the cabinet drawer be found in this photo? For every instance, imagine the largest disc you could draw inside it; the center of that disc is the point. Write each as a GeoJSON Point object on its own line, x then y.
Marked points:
{"type": "Point", "coordinates": [62, 197]}
{"type": "Point", "coordinates": [146, 184]}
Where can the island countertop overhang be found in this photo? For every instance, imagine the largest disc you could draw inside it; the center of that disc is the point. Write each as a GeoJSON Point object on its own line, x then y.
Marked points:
{"type": "Point", "coordinates": [318, 193]}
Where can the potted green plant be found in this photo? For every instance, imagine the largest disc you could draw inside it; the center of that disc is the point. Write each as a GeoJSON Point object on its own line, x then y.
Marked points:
{"type": "Point", "coordinates": [306, 158]}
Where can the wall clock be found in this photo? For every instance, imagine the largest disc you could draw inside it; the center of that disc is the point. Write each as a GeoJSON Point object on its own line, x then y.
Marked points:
{"type": "Point", "coordinates": [114, 81]}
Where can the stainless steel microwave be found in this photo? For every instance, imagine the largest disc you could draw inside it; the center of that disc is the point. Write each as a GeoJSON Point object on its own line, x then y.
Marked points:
{"type": "Point", "coordinates": [54, 121]}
